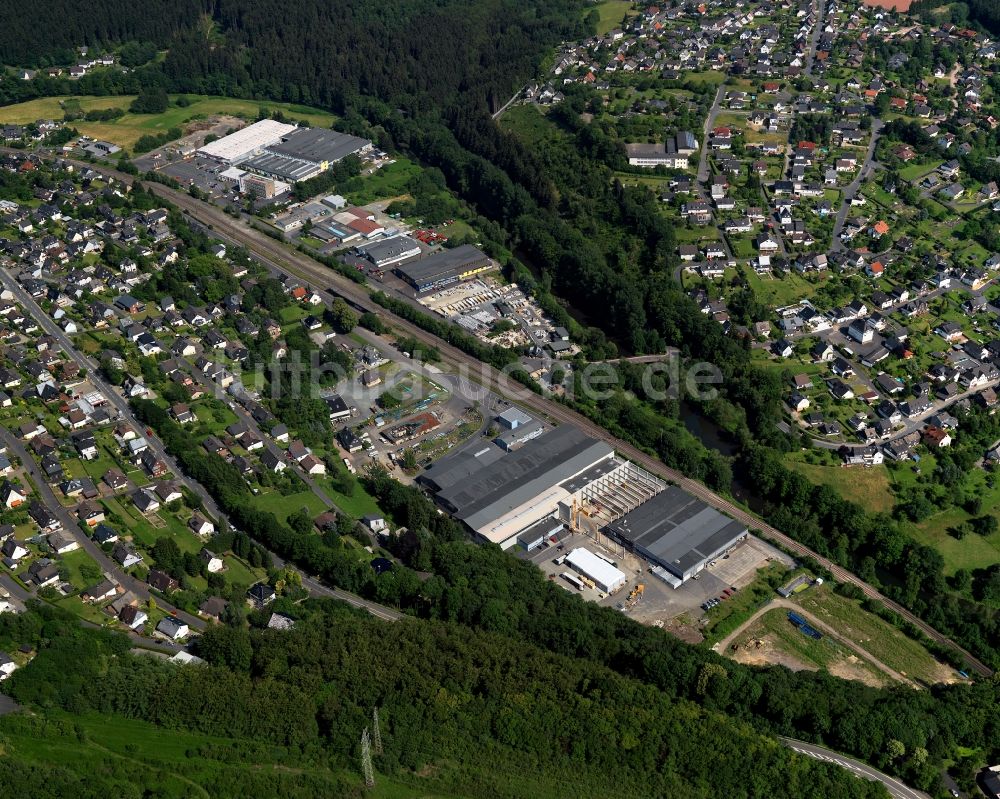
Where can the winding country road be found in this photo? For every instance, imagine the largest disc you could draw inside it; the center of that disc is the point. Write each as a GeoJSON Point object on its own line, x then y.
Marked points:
{"type": "Point", "coordinates": [896, 789]}
{"type": "Point", "coordinates": [329, 284]}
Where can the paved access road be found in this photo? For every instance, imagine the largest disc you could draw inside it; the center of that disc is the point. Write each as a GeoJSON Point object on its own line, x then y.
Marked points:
{"type": "Point", "coordinates": [706, 134]}
{"type": "Point", "coordinates": [851, 189]}
{"type": "Point", "coordinates": [896, 789]}
{"type": "Point", "coordinates": [328, 284]}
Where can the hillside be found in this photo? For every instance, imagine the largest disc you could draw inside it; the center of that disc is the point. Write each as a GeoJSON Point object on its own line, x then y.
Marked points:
{"type": "Point", "coordinates": [282, 712]}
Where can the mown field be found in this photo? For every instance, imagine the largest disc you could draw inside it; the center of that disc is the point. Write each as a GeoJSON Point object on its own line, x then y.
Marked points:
{"type": "Point", "coordinates": [126, 130]}
{"type": "Point", "coordinates": [869, 487]}
{"type": "Point", "coordinates": [610, 14]}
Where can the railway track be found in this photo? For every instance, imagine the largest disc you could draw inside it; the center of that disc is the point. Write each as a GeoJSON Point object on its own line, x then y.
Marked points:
{"type": "Point", "coordinates": [327, 281]}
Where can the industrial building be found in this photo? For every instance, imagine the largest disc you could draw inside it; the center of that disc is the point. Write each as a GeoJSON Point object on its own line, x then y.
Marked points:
{"type": "Point", "coordinates": [606, 577]}
{"type": "Point", "coordinates": [445, 267]}
{"type": "Point", "coordinates": [678, 532]}
{"type": "Point", "coordinates": [286, 152]}
{"type": "Point", "coordinates": [389, 251]}
{"type": "Point", "coordinates": [239, 145]}
{"type": "Point", "coordinates": [522, 434]}
{"type": "Point", "coordinates": [282, 167]}
{"type": "Point", "coordinates": [320, 146]}
{"type": "Point", "coordinates": [516, 428]}
{"type": "Point", "coordinates": [501, 495]}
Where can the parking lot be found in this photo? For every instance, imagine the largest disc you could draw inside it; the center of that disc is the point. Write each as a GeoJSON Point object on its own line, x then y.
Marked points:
{"type": "Point", "coordinates": [660, 602]}
{"type": "Point", "coordinates": [202, 173]}
{"type": "Point", "coordinates": [736, 570]}
{"type": "Point", "coordinates": [545, 556]}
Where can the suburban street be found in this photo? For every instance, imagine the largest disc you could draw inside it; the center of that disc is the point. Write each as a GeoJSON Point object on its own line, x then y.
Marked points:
{"type": "Point", "coordinates": [706, 133]}
{"type": "Point", "coordinates": [71, 526]}
{"type": "Point", "coordinates": [851, 190]}
{"type": "Point", "coordinates": [125, 411]}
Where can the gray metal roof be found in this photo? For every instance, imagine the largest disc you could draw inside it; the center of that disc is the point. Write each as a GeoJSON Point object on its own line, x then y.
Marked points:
{"type": "Point", "coordinates": [282, 166]}
{"type": "Point", "coordinates": [318, 145]}
{"type": "Point", "coordinates": [676, 530]}
{"type": "Point", "coordinates": [541, 464]}
{"type": "Point", "coordinates": [444, 265]}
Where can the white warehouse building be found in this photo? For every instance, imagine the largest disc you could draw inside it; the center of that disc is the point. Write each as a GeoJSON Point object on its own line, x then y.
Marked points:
{"type": "Point", "coordinates": [237, 146]}
{"type": "Point", "coordinates": [606, 577]}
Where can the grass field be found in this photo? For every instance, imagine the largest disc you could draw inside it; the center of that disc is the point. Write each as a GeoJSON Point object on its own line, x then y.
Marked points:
{"type": "Point", "coordinates": [390, 181]}
{"type": "Point", "coordinates": [610, 14]}
{"type": "Point", "coordinates": [876, 636]}
{"type": "Point", "coordinates": [971, 551]}
{"type": "Point", "coordinates": [870, 487]}
{"type": "Point", "coordinates": [126, 130]}
{"type": "Point", "coordinates": [530, 125]}
{"type": "Point", "coordinates": [283, 507]}
{"type": "Point", "coordinates": [777, 292]}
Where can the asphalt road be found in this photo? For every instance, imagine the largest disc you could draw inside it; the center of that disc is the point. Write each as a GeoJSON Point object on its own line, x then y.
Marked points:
{"type": "Point", "coordinates": [328, 283]}
{"type": "Point", "coordinates": [896, 789]}
{"type": "Point", "coordinates": [706, 133]}
{"type": "Point", "coordinates": [851, 190]}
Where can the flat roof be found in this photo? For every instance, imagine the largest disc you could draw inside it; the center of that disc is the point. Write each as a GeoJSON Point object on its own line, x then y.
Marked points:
{"type": "Point", "coordinates": [387, 249]}
{"type": "Point", "coordinates": [247, 140]}
{"type": "Point", "coordinates": [676, 530]}
{"type": "Point", "coordinates": [517, 478]}
{"type": "Point", "coordinates": [646, 150]}
{"type": "Point", "coordinates": [444, 265]}
{"type": "Point", "coordinates": [520, 433]}
{"type": "Point", "coordinates": [598, 570]}
{"type": "Point", "coordinates": [282, 166]}
{"type": "Point", "coordinates": [319, 145]}
{"type": "Point", "coordinates": [595, 472]}
{"type": "Point", "coordinates": [544, 528]}
{"type": "Point", "coordinates": [513, 417]}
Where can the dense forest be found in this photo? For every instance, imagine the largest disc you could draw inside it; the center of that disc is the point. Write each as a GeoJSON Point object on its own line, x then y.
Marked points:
{"type": "Point", "coordinates": [474, 713]}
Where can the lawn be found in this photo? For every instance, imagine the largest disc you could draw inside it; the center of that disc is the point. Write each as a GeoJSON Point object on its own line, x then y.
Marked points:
{"type": "Point", "coordinates": [869, 487]}
{"type": "Point", "coordinates": [971, 551]}
{"type": "Point", "coordinates": [358, 505]}
{"type": "Point", "coordinates": [777, 292]}
{"type": "Point", "coordinates": [83, 570]}
{"type": "Point", "coordinates": [126, 130]}
{"type": "Point", "coordinates": [610, 14]}
{"type": "Point", "coordinates": [283, 507]}
{"type": "Point", "coordinates": [874, 635]}
{"type": "Point", "coordinates": [388, 182]}
{"type": "Point", "coordinates": [916, 171]}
